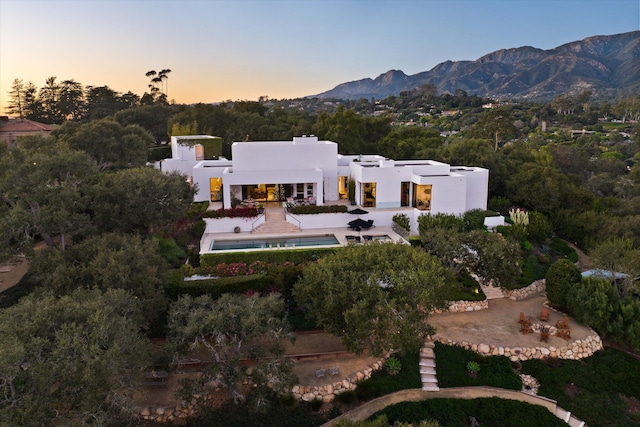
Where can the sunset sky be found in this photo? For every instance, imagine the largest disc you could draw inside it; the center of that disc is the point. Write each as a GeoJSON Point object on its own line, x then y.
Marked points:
{"type": "Point", "coordinates": [242, 49]}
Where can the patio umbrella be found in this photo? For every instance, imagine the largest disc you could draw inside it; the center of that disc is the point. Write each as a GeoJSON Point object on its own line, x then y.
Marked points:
{"type": "Point", "coordinates": [358, 211]}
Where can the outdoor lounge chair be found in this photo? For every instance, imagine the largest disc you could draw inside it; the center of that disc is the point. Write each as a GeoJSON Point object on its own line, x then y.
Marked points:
{"type": "Point", "coordinates": [564, 324]}
{"type": "Point", "coordinates": [564, 333]}
{"type": "Point", "coordinates": [525, 326]}
{"type": "Point", "coordinates": [368, 225]}
{"type": "Point", "coordinates": [544, 334]}
{"type": "Point", "coordinates": [320, 373]}
{"type": "Point", "coordinates": [334, 371]}
{"type": "Point", "coordinates": [544, 314]}
{"type": "Point", "coordinates": [522, 318]}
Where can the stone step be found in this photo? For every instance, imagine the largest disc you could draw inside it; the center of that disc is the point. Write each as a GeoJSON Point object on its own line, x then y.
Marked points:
{"type": "Point", "coordinates": [492, 292]}
{"type": "Point", "coordinates": [427, 352]}
{"type": "Point", "coordinates": [429, 344]}
{"type": "Point", "coordinates": [429, 379]}
{"type": "Point", "coordinates": [427, 370]}
{"type": "Point", "coordinates": [430, 387]}
{"type": "Point", "coordinates": [428, 362]}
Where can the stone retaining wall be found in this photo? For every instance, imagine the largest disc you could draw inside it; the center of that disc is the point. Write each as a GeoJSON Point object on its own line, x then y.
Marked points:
{"type": "Point", "coordinates": [536, 287]}
{"type": "Point", "coordinates": [163, 415]}
{"type": "Point", "coordinates": [576, 350]}
{"type": "Point", "coordinates": [462, 306]}
{"type": "Point", "coordinates": [328, 393]}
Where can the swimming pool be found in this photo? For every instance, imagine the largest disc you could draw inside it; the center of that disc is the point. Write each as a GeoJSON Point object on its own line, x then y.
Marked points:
{"type": "Point", "coordinates": [275, 243]}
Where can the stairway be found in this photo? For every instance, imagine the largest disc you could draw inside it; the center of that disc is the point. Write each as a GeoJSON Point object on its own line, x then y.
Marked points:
{"type": "Point", "coordinates": [492, 292]}
{"type": "Point", "coordinates": [428, 368]}
{"type": "Point", "coordinates": [275, 223]}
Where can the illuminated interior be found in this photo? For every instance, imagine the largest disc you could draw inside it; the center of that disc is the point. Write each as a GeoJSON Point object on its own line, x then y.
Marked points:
{"type": "Point", "coordinates": [343, 186]}
{"type": "Point", "coordinates": [215, 184]}
{"type": "Point", "coordinates": [369, 194]}
{"type": "Point", "coordinates": [422, 197]}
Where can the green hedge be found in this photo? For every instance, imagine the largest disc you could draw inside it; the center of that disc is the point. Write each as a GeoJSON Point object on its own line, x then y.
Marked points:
{"type": "Point", "coordinates": [216, 287]}
{"type": "Point", "coordinates": [313, 209]}
{"type": "Point", "coordinates": [495, 371]}
{"type": "Point", "coordinates": [157, 153]}
{"type": "Point", "coordinates": [490, 411]}
{"type": "Point", "coordinates": [601, 386]}
{"type": "Point", "coordinates": [382, 383]}
{"type": "Point", "coordinates": [296, 256]}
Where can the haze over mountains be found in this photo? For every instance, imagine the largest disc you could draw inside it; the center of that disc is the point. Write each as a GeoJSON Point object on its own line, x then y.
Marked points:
{"type": "Point", "coordinates": [609, 66]}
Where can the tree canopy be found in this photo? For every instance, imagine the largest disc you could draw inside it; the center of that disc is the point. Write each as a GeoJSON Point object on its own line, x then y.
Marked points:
{"type": "Point", "coordinates": [137, 200]}
{"type": "Point", "coordinates": [40, 196]}
{"type": "Point", "coordinates": [230, 329]}
{"type": "Point", "coordinates": [70, 361]}
{"type": "Point", "coordinates": [375, 297]}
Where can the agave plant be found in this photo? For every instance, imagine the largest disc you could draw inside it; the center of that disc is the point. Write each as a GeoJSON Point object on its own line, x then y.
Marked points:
{"type": "Point", "coordinates": [473, 368]}
{"type": "Point", "coordinates": [393, 366]}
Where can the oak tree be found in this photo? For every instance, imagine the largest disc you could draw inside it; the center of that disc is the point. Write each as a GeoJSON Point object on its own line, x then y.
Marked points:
{"type": "Point", "coordinates": [375, 296]}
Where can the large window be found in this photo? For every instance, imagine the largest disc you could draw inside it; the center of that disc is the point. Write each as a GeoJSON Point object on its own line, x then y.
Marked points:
{"type": "Point", "coordinates": [199, 152]}
{"type": "Point", "coordinates": [369, 194]}
{"type": "Point", "coordinates": [343, 186]}
{"type": "Point", "coordinates": [422, 197]}
{"type": "Point", "coordinates": [215, 184]}
{"type": "Point", "coordinates": [404, 193]}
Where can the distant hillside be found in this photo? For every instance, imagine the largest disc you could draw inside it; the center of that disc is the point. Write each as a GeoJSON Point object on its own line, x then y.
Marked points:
{"type": "Point", "coordinates": [607, 65]}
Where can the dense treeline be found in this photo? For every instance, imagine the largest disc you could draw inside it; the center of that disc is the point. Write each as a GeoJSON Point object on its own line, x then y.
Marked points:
{"type": "Point", "coordinates": [112, 227]}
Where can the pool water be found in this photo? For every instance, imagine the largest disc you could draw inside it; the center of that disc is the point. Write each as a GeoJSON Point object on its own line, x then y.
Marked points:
{"type": "Point", "coordinates": [273, 243]}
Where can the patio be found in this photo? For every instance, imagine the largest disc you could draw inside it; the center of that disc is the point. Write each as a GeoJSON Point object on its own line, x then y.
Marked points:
{"type": "Point", "coordinates": [498, 325]}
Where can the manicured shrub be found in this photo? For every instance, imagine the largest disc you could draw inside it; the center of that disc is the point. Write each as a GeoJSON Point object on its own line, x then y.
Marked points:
{"type": "Point", "coordinates": [316, 404]}
{"type": "Point", "coordinates": [500, 204]}
{"type": "Point", "coordinates": [296, 256]}
{"type": "Point", "coordinates": [275, 414]}
{"type": "Point", "coordinates": [313, 209]}
{"type": "Point", "coordinates": [348, 397]}
{"type": "Point", "coordinates": [216, 287]}
{"type": "Point", "coordinates": [458, 412]}
{"type": "Point", "coordinates": [559, 278]}
{"type": "Point", "coordinates": [157, 153]}
{"type": "Point", "coordinates": [237, 212]}
{"type": "Point", "coordinates": [474, 219]}
{"type": "Point", "coordinates": [494, 371]}
{"type": "Point", "coordinates": [381, 382]}
{"type": "Point", "coordinates": [402, 220]}
{"type": "Point", "coordinates": [594, 388]}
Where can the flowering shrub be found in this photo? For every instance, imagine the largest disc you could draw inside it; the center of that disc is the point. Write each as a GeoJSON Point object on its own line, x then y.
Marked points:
{"type": "Point", "coordinates": [240, 212]}
{"type": "Point", "coordinates": [519, 216]}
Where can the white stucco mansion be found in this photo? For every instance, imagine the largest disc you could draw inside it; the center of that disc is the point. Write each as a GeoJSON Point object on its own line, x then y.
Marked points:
{"type": "Point", "coordinates": [306, 169]}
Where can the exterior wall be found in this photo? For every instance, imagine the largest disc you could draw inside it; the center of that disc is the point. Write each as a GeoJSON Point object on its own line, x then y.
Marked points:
{"type": "Point", "coordinates": [477, 187]}
{"type": "Point", "coordinates": [305, 160]}
{"type": "Point", "coordinates": [187, 152]}
{"type": "Point", "coordinates": [203, 172]}
{"type": "Point", "coordinates": [446, 193]}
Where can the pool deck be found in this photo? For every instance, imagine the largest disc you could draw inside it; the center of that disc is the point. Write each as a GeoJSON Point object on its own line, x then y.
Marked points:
{"type": "Point", "coordinates": [340, 234]}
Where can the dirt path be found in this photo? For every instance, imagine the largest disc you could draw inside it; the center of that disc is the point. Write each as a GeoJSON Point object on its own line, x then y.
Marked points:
{"type": "Point", "coordinates": [11, 273]}
{"type": "Point", "coordinates": [583, 260]}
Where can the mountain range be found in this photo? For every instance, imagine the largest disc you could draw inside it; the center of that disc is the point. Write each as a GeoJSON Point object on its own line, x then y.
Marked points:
{"type": "Point", "coordinates": [609, 66]}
